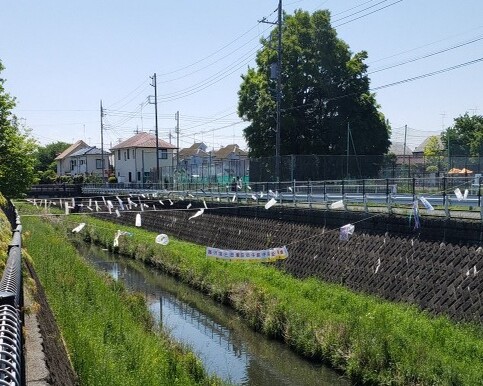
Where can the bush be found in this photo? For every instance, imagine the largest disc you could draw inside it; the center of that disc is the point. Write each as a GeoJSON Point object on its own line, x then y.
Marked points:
{"type": "Point", "coordinates": [65, 179]}
{"type": "Point", "coordinates": [47, 177]}
{"type": "Point", "coordinates": [79, 179]}
{"type": "Point", "coordinates": [112, 179]}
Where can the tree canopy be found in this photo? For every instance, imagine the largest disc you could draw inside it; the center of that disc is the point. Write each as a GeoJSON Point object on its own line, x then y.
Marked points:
{"type": "Point", "coordinates": [46, 155]}
{"type": "Point", "coordinates": [17, 148]}
{"type": "Point", "coordinates": [466, 136]}
{"type": "Point", "coordinates": [325, 88]}
{"type": "Point", "coordinates": [46, 167]}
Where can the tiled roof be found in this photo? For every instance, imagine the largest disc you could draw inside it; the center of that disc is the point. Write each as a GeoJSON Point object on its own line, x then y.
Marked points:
{"type": "Point", "coordinates": [224, 152]}
{"type": "Point", "coordinates": [91, 150]}
{"type": "Point", "coordinates": [194, 149]}
{"type": "Point", "coordinates": [72, 148]}
{"type": "Point", "coordinates": [398, 149]}
{"type": "Point", "coordinates": [420, 148]}
{"type": "Point", "coordinates": [143, 140]}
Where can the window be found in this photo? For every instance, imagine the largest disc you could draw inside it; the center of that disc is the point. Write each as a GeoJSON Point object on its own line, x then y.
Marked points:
{"type": "Point", "coordinates": [119, 155]}
{"type": "Point", "coordinates": [98, 163]}
{"type": "Point", "coordinates": [163, 153]}
{"type": "Point", "coordinates": [125, 156]}
{"type": "Point", "coordinates": [127, 153]}
{"type": "Point", "coordinates": [82, 162]}
{"type": "Point", "coordinates": [73, 164]}
{"type": "Point", "coordinates": [134, 153]}
{"type": "Point", "coordinates": [139, 176]}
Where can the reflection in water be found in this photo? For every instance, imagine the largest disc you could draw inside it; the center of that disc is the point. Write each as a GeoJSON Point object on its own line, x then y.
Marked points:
{"type": "Point", "coordinates": [226, 346]}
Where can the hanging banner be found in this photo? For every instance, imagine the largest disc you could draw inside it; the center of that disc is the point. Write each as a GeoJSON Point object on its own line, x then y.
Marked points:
{"type": "Point", "coordinates": [263, 255]}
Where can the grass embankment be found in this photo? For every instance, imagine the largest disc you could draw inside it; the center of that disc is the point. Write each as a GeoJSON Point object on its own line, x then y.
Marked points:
{"type": "Point", "coordinates": [107, 331]}
{"type": "Point", "coordinates": [5, 234]}
{"type": "Point", "coordinates": [371, 340]}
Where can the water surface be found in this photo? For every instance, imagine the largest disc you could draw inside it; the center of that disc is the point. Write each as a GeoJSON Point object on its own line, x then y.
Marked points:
{"type": "Point", "coordinates": [227, 347]}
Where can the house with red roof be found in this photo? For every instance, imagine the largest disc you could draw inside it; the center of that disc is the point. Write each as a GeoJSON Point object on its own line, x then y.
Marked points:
{"type": "Point", "coordinates": [135, 159]}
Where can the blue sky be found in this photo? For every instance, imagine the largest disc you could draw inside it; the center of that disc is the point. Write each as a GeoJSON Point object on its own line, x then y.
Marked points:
{"type": "Point", "coordinates": [63, 57]}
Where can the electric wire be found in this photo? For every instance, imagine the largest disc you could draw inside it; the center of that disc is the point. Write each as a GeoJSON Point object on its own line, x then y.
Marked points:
{"type": "Point", "coordinates": [367, 14]}
{"type": "Point", "coordinates": [428, 55]}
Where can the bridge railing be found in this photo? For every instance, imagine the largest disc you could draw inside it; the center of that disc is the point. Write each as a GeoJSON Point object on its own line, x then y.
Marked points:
{"type": "Point", "coordinates": [12, 364]}
{"type": "Point", "coordinates": [368, 193]}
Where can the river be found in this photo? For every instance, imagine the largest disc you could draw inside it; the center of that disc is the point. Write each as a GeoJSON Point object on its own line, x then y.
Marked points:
{"type": "Point", "coordinates": [227, 347]}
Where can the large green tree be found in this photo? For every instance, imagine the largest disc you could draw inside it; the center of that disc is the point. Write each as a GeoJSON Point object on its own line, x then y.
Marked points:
{"type": "Point", "coordinates": [46, 155]}
{"type": "Point", "coordinates": [325, 88]}
{"type": "Point", "coordinates": [465, 137]}
{"type": "Point", "coordinates": [46, 167]}
{"type": "Point", "coordinates": [17, 149]}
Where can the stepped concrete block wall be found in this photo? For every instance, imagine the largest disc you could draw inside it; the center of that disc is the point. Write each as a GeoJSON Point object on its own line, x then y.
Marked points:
{"type": "Point", "coordinates": [439, 269]}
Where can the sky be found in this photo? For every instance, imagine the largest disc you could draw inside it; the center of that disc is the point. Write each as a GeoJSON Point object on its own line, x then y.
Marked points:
{"type": "Point", "coordinates": [62, 58]}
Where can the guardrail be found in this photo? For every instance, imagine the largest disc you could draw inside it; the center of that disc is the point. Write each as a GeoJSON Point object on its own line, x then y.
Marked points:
{"type": "Point", "coordinates": [388, 193]}
{"type": "Point", "coordinates": [12, 364]}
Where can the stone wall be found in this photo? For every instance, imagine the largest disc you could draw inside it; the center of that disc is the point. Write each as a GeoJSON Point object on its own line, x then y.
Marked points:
{"type": "Point", "coordinates": [437, 269]}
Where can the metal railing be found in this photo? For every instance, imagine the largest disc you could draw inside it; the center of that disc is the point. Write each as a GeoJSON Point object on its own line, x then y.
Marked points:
{"type": "Point", "coordinates": [365, 193]}
{"type": "Point", "coordinates": [12, 364]}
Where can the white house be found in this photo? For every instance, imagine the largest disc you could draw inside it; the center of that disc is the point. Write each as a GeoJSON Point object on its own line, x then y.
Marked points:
{"type": "Point", "coordinates": [135, 158]}
{"type": "Point", "coordinates": [64, 166]}
{"type": "Point", "coordinates": [89, 161]}
{"type": "Point", "coordinates": [80, 158]}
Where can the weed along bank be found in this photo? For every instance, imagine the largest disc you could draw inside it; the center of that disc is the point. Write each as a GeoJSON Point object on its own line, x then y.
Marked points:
{"type": "Point", "coordinates": [366, 303]}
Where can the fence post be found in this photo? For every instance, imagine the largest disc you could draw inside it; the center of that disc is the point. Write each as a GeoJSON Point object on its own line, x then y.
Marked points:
{"type": "Point", "coordinates": [343, 195]}
{"type": "Point", "coordinates": [309, 194]}
{"type": "Point", "coordinates": [445, 199]}
{"type": "Point", "coordinates": [388, 198]}
{"type": "Point", "coordinates": [479, 191]}
{"type": "Point", "coordinates": [479, 198]}
{"type": "Point", "coordinates": [414, 188]}
{"type": "Point", "coordinates": [364, 195]}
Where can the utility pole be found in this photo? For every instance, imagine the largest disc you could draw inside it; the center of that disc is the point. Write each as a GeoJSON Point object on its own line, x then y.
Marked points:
{"type": "Point", "coordinates": [443, 115]}
{"type": "Point", "coordinates": [177, 139]}
{"type": "Point", "coordinates": [347, 151]}
{"type": "Point", "coordinates": [102, 145]}
{"type": "Point", "coordinates": [154, 84]}
{"type": "Point", "coordinates": [279, 88]}
{"type": "Point", "coordinates": [279, 91]}
{"type": "Point", "coordinates": [404, 148]}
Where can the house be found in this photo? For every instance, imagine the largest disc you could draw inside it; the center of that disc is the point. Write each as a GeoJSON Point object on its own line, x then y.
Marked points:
{"type": "Point", "coordinates": [88, 160]}
{"type": "Point", "coordinates": [229, 162]}
{"type": "Point", "coordinates": [135, 159]}
{"type": "Point", "coordinates": [194, 160]}
{"type": "Point", "coordinates": [80, 158]}
{"type": "Point", "coordinates": [402, 153]}
{"type": "Point", "coordinates": [418, 153]}
{"type": "Point", "coordinates": [64, 166]}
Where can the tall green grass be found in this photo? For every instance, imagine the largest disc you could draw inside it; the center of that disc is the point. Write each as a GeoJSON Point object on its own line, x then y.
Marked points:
{"type": "Point", "coordinates": [373, 341]}
{"type": "Point", "coordinates": [107, 331]}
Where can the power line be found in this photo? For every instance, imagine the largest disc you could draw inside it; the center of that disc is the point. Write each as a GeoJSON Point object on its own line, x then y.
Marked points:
{"type": "Point", "coordinates": [213, 53]}
{"type": "Point", "coordinates": [219, 60]}
{"type": "Point", "coordinates": [429, 74]}
{"type": "Point", "coordinates": [204, 84]}
{"type": "Point", "coordinates": [417, 48]}
{"type": "Point", "coordinates": [428, 55]}
{"type": "Point", "coordinates": [367, 14]}
{"type": "Point", "coordinates": [362, 10]}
